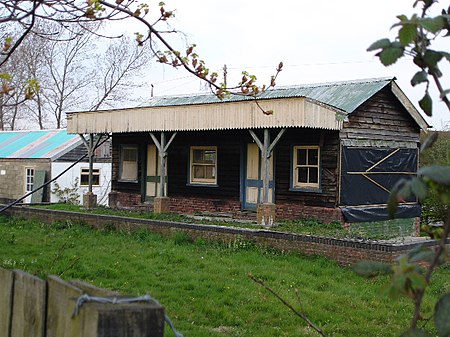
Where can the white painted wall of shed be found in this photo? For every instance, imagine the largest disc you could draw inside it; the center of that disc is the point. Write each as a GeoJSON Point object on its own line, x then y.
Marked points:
{"type": "Point", "coordinates": [68, 179]}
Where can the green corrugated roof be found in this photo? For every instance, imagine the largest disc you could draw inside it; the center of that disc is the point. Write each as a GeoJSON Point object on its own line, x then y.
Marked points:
{"type": "Point", "coordinates": [346, 96]}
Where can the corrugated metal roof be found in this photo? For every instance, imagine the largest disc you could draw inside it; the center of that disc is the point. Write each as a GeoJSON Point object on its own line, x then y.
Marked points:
{"type": "Point", "coordinates": [346, 96]}
{"type": "Point", "coordinates": [36, 144]}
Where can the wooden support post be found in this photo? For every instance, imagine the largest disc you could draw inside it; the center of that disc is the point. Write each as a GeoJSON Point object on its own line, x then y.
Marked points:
{"type": "Point", "coordinates": [265, 156]}
{"type": "Point", "coordinates": [162, 204]}
{"type": "Point", "coordinates": [90, 199]}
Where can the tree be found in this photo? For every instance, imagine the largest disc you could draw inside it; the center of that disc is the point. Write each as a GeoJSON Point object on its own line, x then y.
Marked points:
{"type": "Point", "coordinates": [416, 35]}
{"type": "Point", "coordinates": [67, 13]}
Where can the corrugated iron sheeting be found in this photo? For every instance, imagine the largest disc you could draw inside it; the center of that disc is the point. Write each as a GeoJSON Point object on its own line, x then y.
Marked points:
{"type": "Point", "coordinates": [346, 96]}
{"type": "Point", "coordinates": [294, 112]}
{"type": "Point", "coordinates": [36, 144]}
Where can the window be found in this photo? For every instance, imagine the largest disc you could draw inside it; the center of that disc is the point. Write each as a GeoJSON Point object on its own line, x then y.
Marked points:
{"type": "Point", "coordinates": [84, 177]}
{"type": "Point", "coordinates": [129, 163]}
{"type": "Point", "coordinates": [306, 167]}
{"type": "Point", "coordinates": [203, 168]}
{"type": "Point", "coordinates": [29, 179]}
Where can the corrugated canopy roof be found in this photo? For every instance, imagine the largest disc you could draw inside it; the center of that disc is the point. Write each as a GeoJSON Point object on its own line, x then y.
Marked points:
{"type": "Point", "coordinates": [321, 106]}
{"type": "Point", "coordinates": [345, 96]}
{"type": "Point", "coordinates": [49, 144]}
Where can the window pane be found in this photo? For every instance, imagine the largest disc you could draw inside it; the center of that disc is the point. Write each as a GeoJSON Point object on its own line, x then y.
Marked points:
{"type": "Point", "coordinates": [199, 172]}
{"type": "Point", "coordinates": [197, 156]}
{"type": "Point", "coordinates": [210, 157]}
{"type": "Point", "coordinates": [84, 180]}
{"type": "Point", "coordinates": [129, 154]}
{"type": "Point", "coordinates": [313, 155]}
{"type": "Point", "coordinates": [301, 157]}
{"type": "Point", "coordinates": [209, 172]}
{"type": "Point", "coordinates": [313, 175]}
{"type": "Point", "coordinates": [302, 175]}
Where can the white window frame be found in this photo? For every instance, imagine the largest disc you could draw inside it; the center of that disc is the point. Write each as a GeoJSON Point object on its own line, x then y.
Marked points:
{"type": "Point", "coordinates": [295, 168]}
{"type": "Point", "coordinates": [129, 165]}
{"type": "Point", "coordinates": [192, 179]}
{"type": "Point", "coordinates": [84, 171]}
{"type": "Point", "coordinates": [29, 178]}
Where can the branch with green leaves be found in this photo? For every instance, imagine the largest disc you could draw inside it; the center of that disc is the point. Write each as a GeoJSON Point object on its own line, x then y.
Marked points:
{"type": "Point", "coordinates": [155, 21]}
{"type": "Point", "coordinates": [415, 38]}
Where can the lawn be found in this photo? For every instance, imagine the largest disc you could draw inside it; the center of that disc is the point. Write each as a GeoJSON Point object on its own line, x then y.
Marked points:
{"type": "Point", "coordinates": [205, 287]}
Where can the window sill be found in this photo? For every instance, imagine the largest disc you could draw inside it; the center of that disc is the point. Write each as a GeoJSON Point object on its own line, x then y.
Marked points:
{"type": "Point", "coordinates": [127, 181]}
{"type": "Point", "coordinates": [201, 185]}
{"type": "Point", "coordinates": [305, 189]}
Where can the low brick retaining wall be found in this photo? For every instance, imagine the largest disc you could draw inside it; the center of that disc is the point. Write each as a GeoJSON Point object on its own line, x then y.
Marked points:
{"type": "Point", "coordinates": [343, 251]}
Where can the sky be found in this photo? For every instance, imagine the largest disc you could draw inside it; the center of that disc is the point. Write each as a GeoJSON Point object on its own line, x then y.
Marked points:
{"type": "Point", "coordinates": [318, 41]}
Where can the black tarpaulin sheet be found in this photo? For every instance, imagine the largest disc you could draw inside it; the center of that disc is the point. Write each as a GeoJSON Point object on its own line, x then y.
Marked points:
{"type": "Point", "coordinates": [379, 213]}
{"type": "Point", "coordinates": [368, 174]}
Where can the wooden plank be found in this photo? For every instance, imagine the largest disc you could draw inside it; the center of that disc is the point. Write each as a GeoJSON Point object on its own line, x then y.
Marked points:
{"type": "Point", "coordinates": [39, 180]}
{"type": "Point", "coordinates": [28, 306]}
{"type": "Point", "coordinates": [61, 303]}
{"type": "Point", "coordinates": [122, 320]}
{"type": "Point", "coordinates": [6, 298]}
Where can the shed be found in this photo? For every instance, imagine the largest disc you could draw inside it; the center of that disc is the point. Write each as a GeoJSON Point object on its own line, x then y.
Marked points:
{"type": "Point", "coordinates": [28, 159]}
{"type": "Point", "coordinates": [330, 151]}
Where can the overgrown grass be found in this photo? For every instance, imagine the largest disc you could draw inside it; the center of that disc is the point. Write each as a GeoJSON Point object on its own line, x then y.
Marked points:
{"type": "Point", "coordinates": [309, 227]}
{"type": "Point", "coordinates": [204, 286]}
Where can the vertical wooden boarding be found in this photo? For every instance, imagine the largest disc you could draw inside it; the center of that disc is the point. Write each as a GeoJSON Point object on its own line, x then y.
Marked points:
{"type": "Point", "coordinates": [61, 304]}
{"type": "Point", "coordinates": [253, 177]}
{"type": "Point", "coordinates": [153, 173]}
{"type": "Point", "coordinates": [28, 306]}
{"type": "Point", "coordinates": [39, 180]}
{"type": "Point", "coordinates": [6, 298]}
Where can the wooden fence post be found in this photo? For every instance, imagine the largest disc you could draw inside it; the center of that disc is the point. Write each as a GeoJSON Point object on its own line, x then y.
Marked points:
{"type": "Point", "coordinates": [6, 297]}
{"type": "Point", "coordinates": [139, 319]}
{"type": "Point", "coordinates": [28, 315]}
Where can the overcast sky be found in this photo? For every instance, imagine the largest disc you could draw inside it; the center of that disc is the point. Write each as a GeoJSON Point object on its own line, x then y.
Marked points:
{"type": "Point", "coordinates": [318, 41]}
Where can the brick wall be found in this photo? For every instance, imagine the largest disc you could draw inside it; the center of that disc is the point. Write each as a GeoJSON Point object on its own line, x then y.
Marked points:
{"type": "Point", "coordinates": [345, 252]}
{"type": "Point", "coordinates": [289, 211]}
{"type": "Point", "coordinates": [191, 205]}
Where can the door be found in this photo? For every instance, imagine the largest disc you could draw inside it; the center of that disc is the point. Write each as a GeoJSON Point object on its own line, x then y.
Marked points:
{"type": "Point", "coordinates": [253, 178]}
{"type": "Point", "coordinates": [153, 173]}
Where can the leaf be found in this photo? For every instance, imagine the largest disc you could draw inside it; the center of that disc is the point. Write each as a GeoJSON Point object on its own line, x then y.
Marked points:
{"type": "Point", "coordinates": [441, 316]}
{"type": "Point", "coordinates": [417, 281]}
{"type": "Point", "coordinates": [407, 34]}
{"type": "Point", "coordinates": [433, 25]}
{"type": "Point", "coordinates": [429, 141]}
{"type": "Point", "coordinates": [392, 202]}
{"type": "Point", "coordinates": [440, 174]}
{"type": "Point", "coordinates": [390, 55]}
{"type": "Point", "coordinates": [371, 269]}
{"type": "Point", "coordinates": [426, 104]}
{"type": "Point", "coordinates": [419, 77]}
{"type": "Point", "coordinates": [419, 188]}
{"type": "Point", "coordinates": [421, 253]}
{"type": "Point", "coordinates": [415, 333]}
{"type": "Point", "coordinates": [432, 57]}
{"type": "Point", "coordinates": [380, 44]}
{"type": "Point", "coordinates": [446, 55]}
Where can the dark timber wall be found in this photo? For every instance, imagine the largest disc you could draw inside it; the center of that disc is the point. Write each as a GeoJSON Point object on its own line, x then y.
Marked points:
{"type": "Point", "coordinates": [381, 118]}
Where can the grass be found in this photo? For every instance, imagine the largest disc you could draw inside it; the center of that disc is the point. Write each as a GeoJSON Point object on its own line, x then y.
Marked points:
{"type": "Point", "coordinates": [204, 286]}
{"type": "Point", "coordinates": [308, 227]}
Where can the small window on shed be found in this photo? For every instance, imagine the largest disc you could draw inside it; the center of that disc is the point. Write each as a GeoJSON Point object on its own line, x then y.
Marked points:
{"type": "Point", "coordinates": [84, 177]}
{"type": "Point", "coordinates": [129, 163]}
